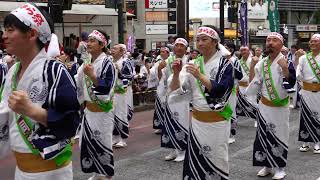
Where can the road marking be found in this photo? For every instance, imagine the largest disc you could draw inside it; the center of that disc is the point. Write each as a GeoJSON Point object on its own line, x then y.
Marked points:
{"type": "Point", "coordinates": [141, 127]}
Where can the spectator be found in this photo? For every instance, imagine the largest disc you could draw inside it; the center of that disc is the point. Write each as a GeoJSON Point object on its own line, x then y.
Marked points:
{"type": "Point", "coordinates": [194, 54]}
{"type": "Point", "coordinates": [291, 55]}
{"type": "Point", "coordinates": [82, 48]}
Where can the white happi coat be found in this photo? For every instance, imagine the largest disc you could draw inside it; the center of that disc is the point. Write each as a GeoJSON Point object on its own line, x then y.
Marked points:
{"type": "Point", "coordinates": [252, 98]}
{"type": "Point", "coordinates": [177, 115]}
{"type": "Point", "coordinates": [100, 124]}
{"type": "Point", "coordinates": [101, 121]}
{"type": "Point", "coordinates": [31, 82]}
{"type": "Point", "coordinates": [215, 149]}
{"type": "Point", "coordinates": [274, 119]}
{"type": "Point", "coordinates": [310, 105]}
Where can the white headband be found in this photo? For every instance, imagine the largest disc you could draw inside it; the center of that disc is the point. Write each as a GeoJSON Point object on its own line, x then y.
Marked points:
{"type": "Point", "coordinates": [124, 47]}
{"type": "Point", "coordinates": [276, 35]}
{"type": "Point", "coordinates": [32, 17]}
{"type": "Point", "coordinates": [208, 32]}
{"type": "Point", "coordinates": [214, 35]}
{"type": "Point", "coordinates": [244, 47]}
{"type": "Point", "coordinates": [98, 36]}
{"type": "Point", "coordinates": [316, 37]}
{"type": "Point", "coordinates": [166, 49]}
{"type": "Point", "coordinates": [181, 41]}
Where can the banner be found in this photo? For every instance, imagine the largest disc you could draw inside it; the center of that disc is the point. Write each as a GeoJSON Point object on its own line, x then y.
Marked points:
{"type": "Point", "coordinates": [244, 22]}
{"type": "Point", "coordinates": [273, 15]}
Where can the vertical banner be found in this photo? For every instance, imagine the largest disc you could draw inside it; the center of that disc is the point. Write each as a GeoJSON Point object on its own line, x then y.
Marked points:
{"type": "Point", "coordinates": [273, 15]}
{"type": "Point", "coordinates": [244, 22]}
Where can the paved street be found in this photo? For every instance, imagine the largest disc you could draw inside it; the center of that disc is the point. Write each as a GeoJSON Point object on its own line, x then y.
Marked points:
{"type": "Point", "coordinates": [142, 160]}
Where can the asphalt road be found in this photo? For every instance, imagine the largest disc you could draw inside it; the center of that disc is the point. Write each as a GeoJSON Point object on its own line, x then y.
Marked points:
{"type": "Point", "coordinates": [143, 158]}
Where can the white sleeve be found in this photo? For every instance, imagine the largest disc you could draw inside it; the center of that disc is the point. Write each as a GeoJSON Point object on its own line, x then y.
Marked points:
{"type": "Point", "coordinates": [255, 85]}
{"type": "Point", "coordinates": [299, 70]}
{"type": "Point", "coordinates": [185, 90]}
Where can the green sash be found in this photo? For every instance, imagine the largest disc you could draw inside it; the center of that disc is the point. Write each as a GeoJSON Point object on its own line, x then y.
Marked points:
{"type": "Point", "coordinates": [271, 89]}
{"type": "Point", "coordinates": [1, 90]}
{"type": "Point", "coordinates": [105, 106]}
{"type": "Point", "coordinates": [245, 67]}
{"type": "Point", "coordinates": [25, 127]}
{"type": "Point", "coordinates": [314, 66]}
{"type": "Point", "coordinates": [227, 111]}
{"type": "Point", "coordinates": [170, 61]}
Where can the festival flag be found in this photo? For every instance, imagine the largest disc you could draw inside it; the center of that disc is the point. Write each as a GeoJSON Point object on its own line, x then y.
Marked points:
{"type": "Point", "coordinates": [273, 15]}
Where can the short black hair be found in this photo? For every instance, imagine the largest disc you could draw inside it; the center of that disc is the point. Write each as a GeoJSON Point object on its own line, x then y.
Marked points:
{"type": "Point", "coordinates": [231, 46]}
{"type": "Point", "coordinates": [12, 21]}
{"type": "Point", "coordinates": [294, 46]}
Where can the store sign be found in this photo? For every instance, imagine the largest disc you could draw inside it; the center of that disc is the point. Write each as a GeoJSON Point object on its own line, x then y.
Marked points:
{"type": "Point", "coordinates": [161, 29]}
{"type": "Point", "coordinates": [156, 16]}
{"type": "Point", "coordinates": [156, 4]}
{"type": "Point", "coordinates": [306, 28]}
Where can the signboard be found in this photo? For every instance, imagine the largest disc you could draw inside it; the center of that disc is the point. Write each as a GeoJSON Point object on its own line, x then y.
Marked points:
{"type": "Point", "coordinates": [172, 16]}
{"type": "Point", "coordinates": [306, 28]}
{"type": "Point", "coordinates": [156, 29]}
{"type": "Point", "coordinates": [172, 29]}
{"type": "Point", "coordinates": [258, 10]}
{"type": "Point", "coordinates": [161, 29]}
{"type": "Point", "coordinates": [156, 16]}
{"type": "Point", "coordinates": [172, 4]}
{"type": "Point", "coordinates": [131, 7]}
{"type": "Point", "coordinates": [159, 4]}
{"type": "Point", "coordinates": [265, 32]}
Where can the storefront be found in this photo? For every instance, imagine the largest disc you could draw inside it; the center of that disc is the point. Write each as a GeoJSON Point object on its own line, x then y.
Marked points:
{"type": "Point", "coordinates": [304, 33]}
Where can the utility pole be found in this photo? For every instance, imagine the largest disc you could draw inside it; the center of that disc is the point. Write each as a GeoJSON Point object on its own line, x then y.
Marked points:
{"type": "Point", "coordinates": [188, 19]}
{"type": "Point", "coordinates": [221, 20]}
{"type": "Point", "coordinates": [120, 21]}
{"type": "Point", "coordinates": [181, 18]}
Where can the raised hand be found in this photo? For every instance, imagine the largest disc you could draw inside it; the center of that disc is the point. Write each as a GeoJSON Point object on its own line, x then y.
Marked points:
{"type": "Point", "coordinates": [20, 102]}
{"type": "Point", "coordinates": [176, 66]}
{"type": "Point", "coordinates": [89, 70]}
{"type": "Point", "coordinates": [193, 69]}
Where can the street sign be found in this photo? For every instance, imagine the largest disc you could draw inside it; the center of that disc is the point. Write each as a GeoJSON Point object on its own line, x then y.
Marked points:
{"type": "Point", "coordinates": [306, 27]}
{"type": "Point", "coordinates": [156, 16]}
{"type": "Point", "coordinates": [172, 16]}
{"type": "Point", "coordinates": [156, 29]}
{"type": "Point", "coordinates": [161, 29]}
{"type": "Point", "coordinates": [172, 29]}
{"type": "Point", "coordinates": [160, 4]}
